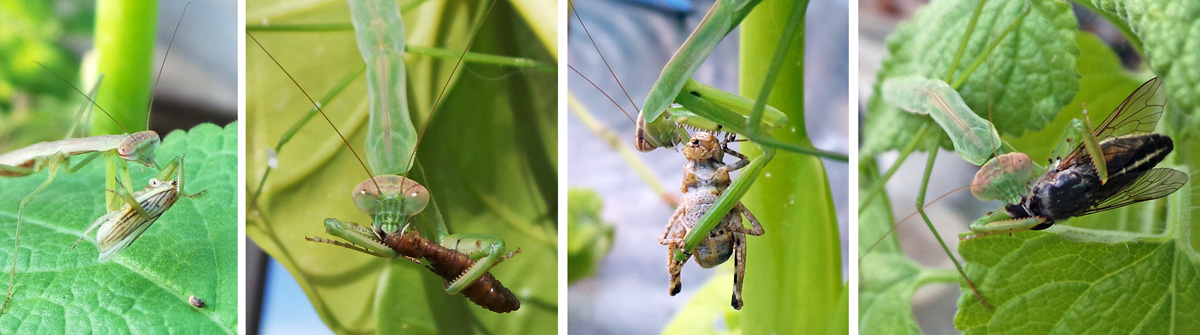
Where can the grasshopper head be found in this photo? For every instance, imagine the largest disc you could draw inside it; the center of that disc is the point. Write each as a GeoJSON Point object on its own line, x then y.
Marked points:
{"type": "Point", "coordinates": [139, 148]}
{"type": "Point", "coordinates": [702, 146]}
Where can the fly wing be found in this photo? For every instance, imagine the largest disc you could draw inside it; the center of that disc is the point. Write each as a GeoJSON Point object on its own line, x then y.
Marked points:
{"type": "Point", "coordinates": [1138, 114]}
{"type": "Point", "coordinates": [1154, 184]}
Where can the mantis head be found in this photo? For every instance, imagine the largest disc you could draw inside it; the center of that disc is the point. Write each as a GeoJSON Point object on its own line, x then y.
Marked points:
{"type": "Point", "coordinates": [702, 146]}
{"type": "Point", "coordinates": [391, 200]}
{"type": "Point", "coordinates": [659, 133]}
{"type": "Point", "coordinates": [1003, 178]}
{"type": "Point", "coordinates": [139, 148]}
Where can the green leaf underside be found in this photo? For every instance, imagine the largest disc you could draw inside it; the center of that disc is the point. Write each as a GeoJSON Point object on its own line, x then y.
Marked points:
{"type": "Point", "coordinates": [488, 155]}
{"type": "Point", "coordinates": [1030, 75]}
{"type": "Point", "coordinates": [1103, 86]}
{"type": "Point", "coordinates": [190, 250]}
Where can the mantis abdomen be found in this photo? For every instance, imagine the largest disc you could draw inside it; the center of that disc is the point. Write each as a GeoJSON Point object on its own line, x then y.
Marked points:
{"type": "Point", "coordinates": [487, 292]}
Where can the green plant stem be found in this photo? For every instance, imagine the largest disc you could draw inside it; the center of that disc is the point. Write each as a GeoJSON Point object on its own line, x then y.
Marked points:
{"type": "Point", "coordinates": [124, 40]}
{"type": "Point", "coordinates": [797, 258]}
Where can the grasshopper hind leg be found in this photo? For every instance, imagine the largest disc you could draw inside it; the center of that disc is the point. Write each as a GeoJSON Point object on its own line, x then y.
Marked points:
{"type": "Point", "coordinates": [739, 273]}
{"type": "Point", "coordinates": [739, 249]}
{"type": "Point", "coordinates": [674, 267]}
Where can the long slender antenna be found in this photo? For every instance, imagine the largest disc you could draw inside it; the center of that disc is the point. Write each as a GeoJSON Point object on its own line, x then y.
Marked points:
{"type": "Point", "coordinates": [589, 81]}
{"type": "Point", "coordinates": [318, 106]}
{"type": "Point", "coordinates": [433, 111]}
{"type": "Point", "coordinates": [571, 5]}
{"type": "Point", "coordinates": [164, 64]}
{"type": "Point", "coordinates": [85, 96]}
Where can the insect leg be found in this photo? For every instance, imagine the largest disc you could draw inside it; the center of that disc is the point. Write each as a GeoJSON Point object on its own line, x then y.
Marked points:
{"type": "Point", "coordinates": [53, 162]}
{"type": "Point", "coordinates": [473, 245]}
{"type": "Point", "coordinates": [664, 240]}
{"type": "Point", "coordinates": [674, 266]}
{"type": "Point", "coordinates": [742, 160]}
{"type": "Point", "coordinates": [756, 228]}
{"type": "Point", "coordinates": [117, 172]}
{"type": "Point", "coordinates": [999, 222]}
{"type": "Point", "coordinates": [351, 246]}
{"type": "Point", "coordinates": [739, 265]}
{"type": "Point", "coordinates": [361, 238]}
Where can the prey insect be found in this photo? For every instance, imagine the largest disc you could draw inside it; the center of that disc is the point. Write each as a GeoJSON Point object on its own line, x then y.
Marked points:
{"type": "Point", "coordinates": [461, 273]}
{"type": "Point", "coordinates": [118, 229]}
{"type": "Point", "coordinates": [196, 302]}
{"type": "Point", "coordinates": [1120, 171]}
{"type": "Point", "coordinates": [388, 196]}
{"type": "Point", "coordinates": [705, 177]}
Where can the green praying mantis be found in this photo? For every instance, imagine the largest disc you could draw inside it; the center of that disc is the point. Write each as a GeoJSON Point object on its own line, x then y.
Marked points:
{"type": "Point", "coordinates": [392, 89]}
{"type": "Point", "coordinates": [706, 110]}
{"type": "Point", "coordinates": [117, 150]}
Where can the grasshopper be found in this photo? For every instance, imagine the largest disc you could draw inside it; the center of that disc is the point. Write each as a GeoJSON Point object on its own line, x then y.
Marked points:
{"type": "Point", "coordinates": [705, 177]}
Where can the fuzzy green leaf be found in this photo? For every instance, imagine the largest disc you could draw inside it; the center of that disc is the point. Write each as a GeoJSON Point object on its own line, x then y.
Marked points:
{"type": "Point", "coordinates": [190, 250]}
{"type": "Point", "coordinates": [1027, 78]}
{"type": "Point", "coordinates": [1048, 283]}
{"type": "Point", "coordinates": [1167, 32]}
